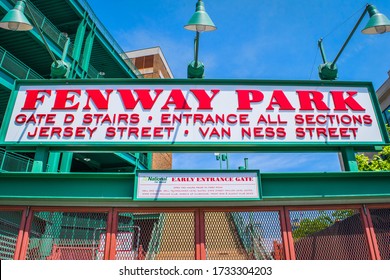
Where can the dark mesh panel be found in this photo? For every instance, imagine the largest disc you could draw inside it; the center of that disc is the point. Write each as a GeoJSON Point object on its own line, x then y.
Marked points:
{"type": "Point", "coordinates": [381, 222]}
{"type": "Point", "coordinates": [329, 235]}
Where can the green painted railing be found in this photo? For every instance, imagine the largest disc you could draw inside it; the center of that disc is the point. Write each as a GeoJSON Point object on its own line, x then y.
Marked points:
{"type": "Point", "coordinates": [58, 37]}
{"type": "Point", "coordinates": [155, 240]}
{"type": "Point", "coordinates": [15, 67]}
{"type": "Point", "coordinates": [13, 162]}
{"type": "Point", "coordinates": [250, 238]}
{"type": "Point", "coordinates": [46, 26]}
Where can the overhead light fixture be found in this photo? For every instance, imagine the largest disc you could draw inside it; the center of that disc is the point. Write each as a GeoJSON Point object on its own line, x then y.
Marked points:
{"type": "Point", "coordinates": [199, 22]}
{"type": "Point", "coordinates": [15, 20]}
{"type": "Point", "coordinates": [378, 24]}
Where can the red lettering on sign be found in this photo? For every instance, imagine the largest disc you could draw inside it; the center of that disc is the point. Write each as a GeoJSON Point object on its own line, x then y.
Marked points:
{"type": "Point", "coordinates": [308, 97]}
{"type": "Point", "coordinates": [341, 103]}
{"type": "Point", "coordinates": [100, 101]}
{"type": "Point", "coordinates": [147, 102]}
{"type": "Point", "coordinates": [62, 98]}
{"type": "Point", "coordinates": [280, 99]}
{"type": "Point", "coordinates": [176, 97]}
{"type": "Point", "coordinates": [246, 97]}
{"type": "Point", "coordinates": [32, 98]}
{"type": "Point", "coordinates": [204, 99]}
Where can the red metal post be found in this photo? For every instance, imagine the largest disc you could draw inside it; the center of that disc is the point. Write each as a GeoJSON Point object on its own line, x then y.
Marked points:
{"type": "Point", "coordinates": [197, 235]}
{"type": "Point", "coordinates": [26, 235]}
{"type": "Point", "coordinates": [110, 246]}
{"type": "Point", "coordinates": [289, 237]}
{"type": "Point", "coordinates": [372, 234]}
{"type": "Point", "coordinates": [283, 227]}
{"type": "Point", "coordinates": [202, 235]}
{"type": "Point", "coordinates": [367, 234]}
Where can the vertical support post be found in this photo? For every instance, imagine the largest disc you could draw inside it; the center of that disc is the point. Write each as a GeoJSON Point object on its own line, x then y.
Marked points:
{"type": "Point", "coordinates": [40, 160]}
{"type": "Point", "coordinates": [196, 48]}
{"type": "Point", "coordinates": [370, 233]}
{"type": "Point", "coordinates": [88, 50]}
{"type": "Point", "coordinates": [19, 240]}
{"type": "Point", "coordinates": [227, 161]}
{"type": "Point", "coordinates": [66, 161]}
{"type": "Point", "coordinates": [287, 235]}
{"type": "Point", "coordinates": [349, 159]}
{"type": "Point", "coordinates": [150, 160]}
{"type": "Point", "coordinates": [26, 235]}
{"type": "Point", "coordinates": [246, 163]}
{"type": "Point", "coordinates": [111, 233]}
{"type": "Point", "coordinates": [78, 42]}
{"type": "Point", "coordinates": [200, 235]}
{"type": "Point", "coordinates": [53, 162]}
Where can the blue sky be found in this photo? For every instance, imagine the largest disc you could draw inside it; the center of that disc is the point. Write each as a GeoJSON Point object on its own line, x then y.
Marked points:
{"type": "Point", "coordinates": [270, 39]}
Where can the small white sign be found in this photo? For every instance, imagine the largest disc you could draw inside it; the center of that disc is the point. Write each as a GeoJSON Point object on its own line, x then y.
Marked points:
{"type": "Point", "coordinates": [194, 186]}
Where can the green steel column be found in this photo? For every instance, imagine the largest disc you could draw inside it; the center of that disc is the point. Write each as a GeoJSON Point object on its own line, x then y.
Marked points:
{"type": "Point", "coordinates": [66, 161]}
{"type": "Point", "coordinates": [88, 50]}
{"type": "Point", "coordinates": [78, 41]}
{"type": "Point", "coordinates": [53, 162]}
{"type": "Point", "coordinates": [349, 159]}
{"type": "Point", "coordinates": [150, 160]}
{"type": "Point", "coordinates": [40, 160]}
{"type": "Point", "coordinates": [77, 48]}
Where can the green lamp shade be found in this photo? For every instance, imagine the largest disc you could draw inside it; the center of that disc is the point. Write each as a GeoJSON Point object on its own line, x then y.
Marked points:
{"type": "Point", "coordinates": [378, 22]}
{"type": "Point", "coordinates": [15, 19]}
{"type": "Point", "coordinates": [200, 20]}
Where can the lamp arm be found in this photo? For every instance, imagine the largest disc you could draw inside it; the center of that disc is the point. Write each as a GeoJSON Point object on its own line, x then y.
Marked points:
{"type": "Point", "coordinates": [196, 48]}
{"type": "Point", "coordinates": [41, 34]}
{"type": "Point", "coordinates": [321, 46]}
{"type": "Point", "coordinates": [350, 36]}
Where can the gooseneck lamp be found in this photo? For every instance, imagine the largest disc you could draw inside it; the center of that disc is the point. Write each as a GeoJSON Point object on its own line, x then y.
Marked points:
{"type": "Point", "coordinates": [199, 22]}
{"type": "Point", "coordinates": [378, 24]}
{"type": "Point", "coordinates": [15, 20]}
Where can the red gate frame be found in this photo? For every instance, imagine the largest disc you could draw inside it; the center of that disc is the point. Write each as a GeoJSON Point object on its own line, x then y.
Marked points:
{"type": "Point", "coordinates": [199, 223]}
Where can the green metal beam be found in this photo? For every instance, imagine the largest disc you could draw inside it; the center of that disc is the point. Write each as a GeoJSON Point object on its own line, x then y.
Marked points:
{"type": "Point", "coordinates": [66, 161]}
{"type": "Point", "coordinates": [88, 50]}
{"type": "Point", "coordinates": [78, 42]}
{"type": "Point", "coordinates": [118, 188]}
{"type": "Point", "coordinates": [53, 162]}
{"type": "Point", "coordinates": [349, 159]}
{"type": "Point", "coordinates": [40, 159]}
{"type": "Point", "coordinates": [66, 185]}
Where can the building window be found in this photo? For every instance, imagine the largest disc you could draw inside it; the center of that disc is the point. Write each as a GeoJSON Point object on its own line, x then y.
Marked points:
{"type": "Point", "coordinates": [144, 62]}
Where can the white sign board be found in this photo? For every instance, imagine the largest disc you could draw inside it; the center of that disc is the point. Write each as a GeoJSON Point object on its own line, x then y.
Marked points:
{"type": "Point", "coordinates": [197, 186]}
{"type": "Point", "coordinates": [191, 114]}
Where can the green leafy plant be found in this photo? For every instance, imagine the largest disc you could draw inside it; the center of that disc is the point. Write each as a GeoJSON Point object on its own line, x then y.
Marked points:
{"type": "Point", "coordinates": [325, 219]}
{"type": "Point", "coordinates": [379, 162]}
